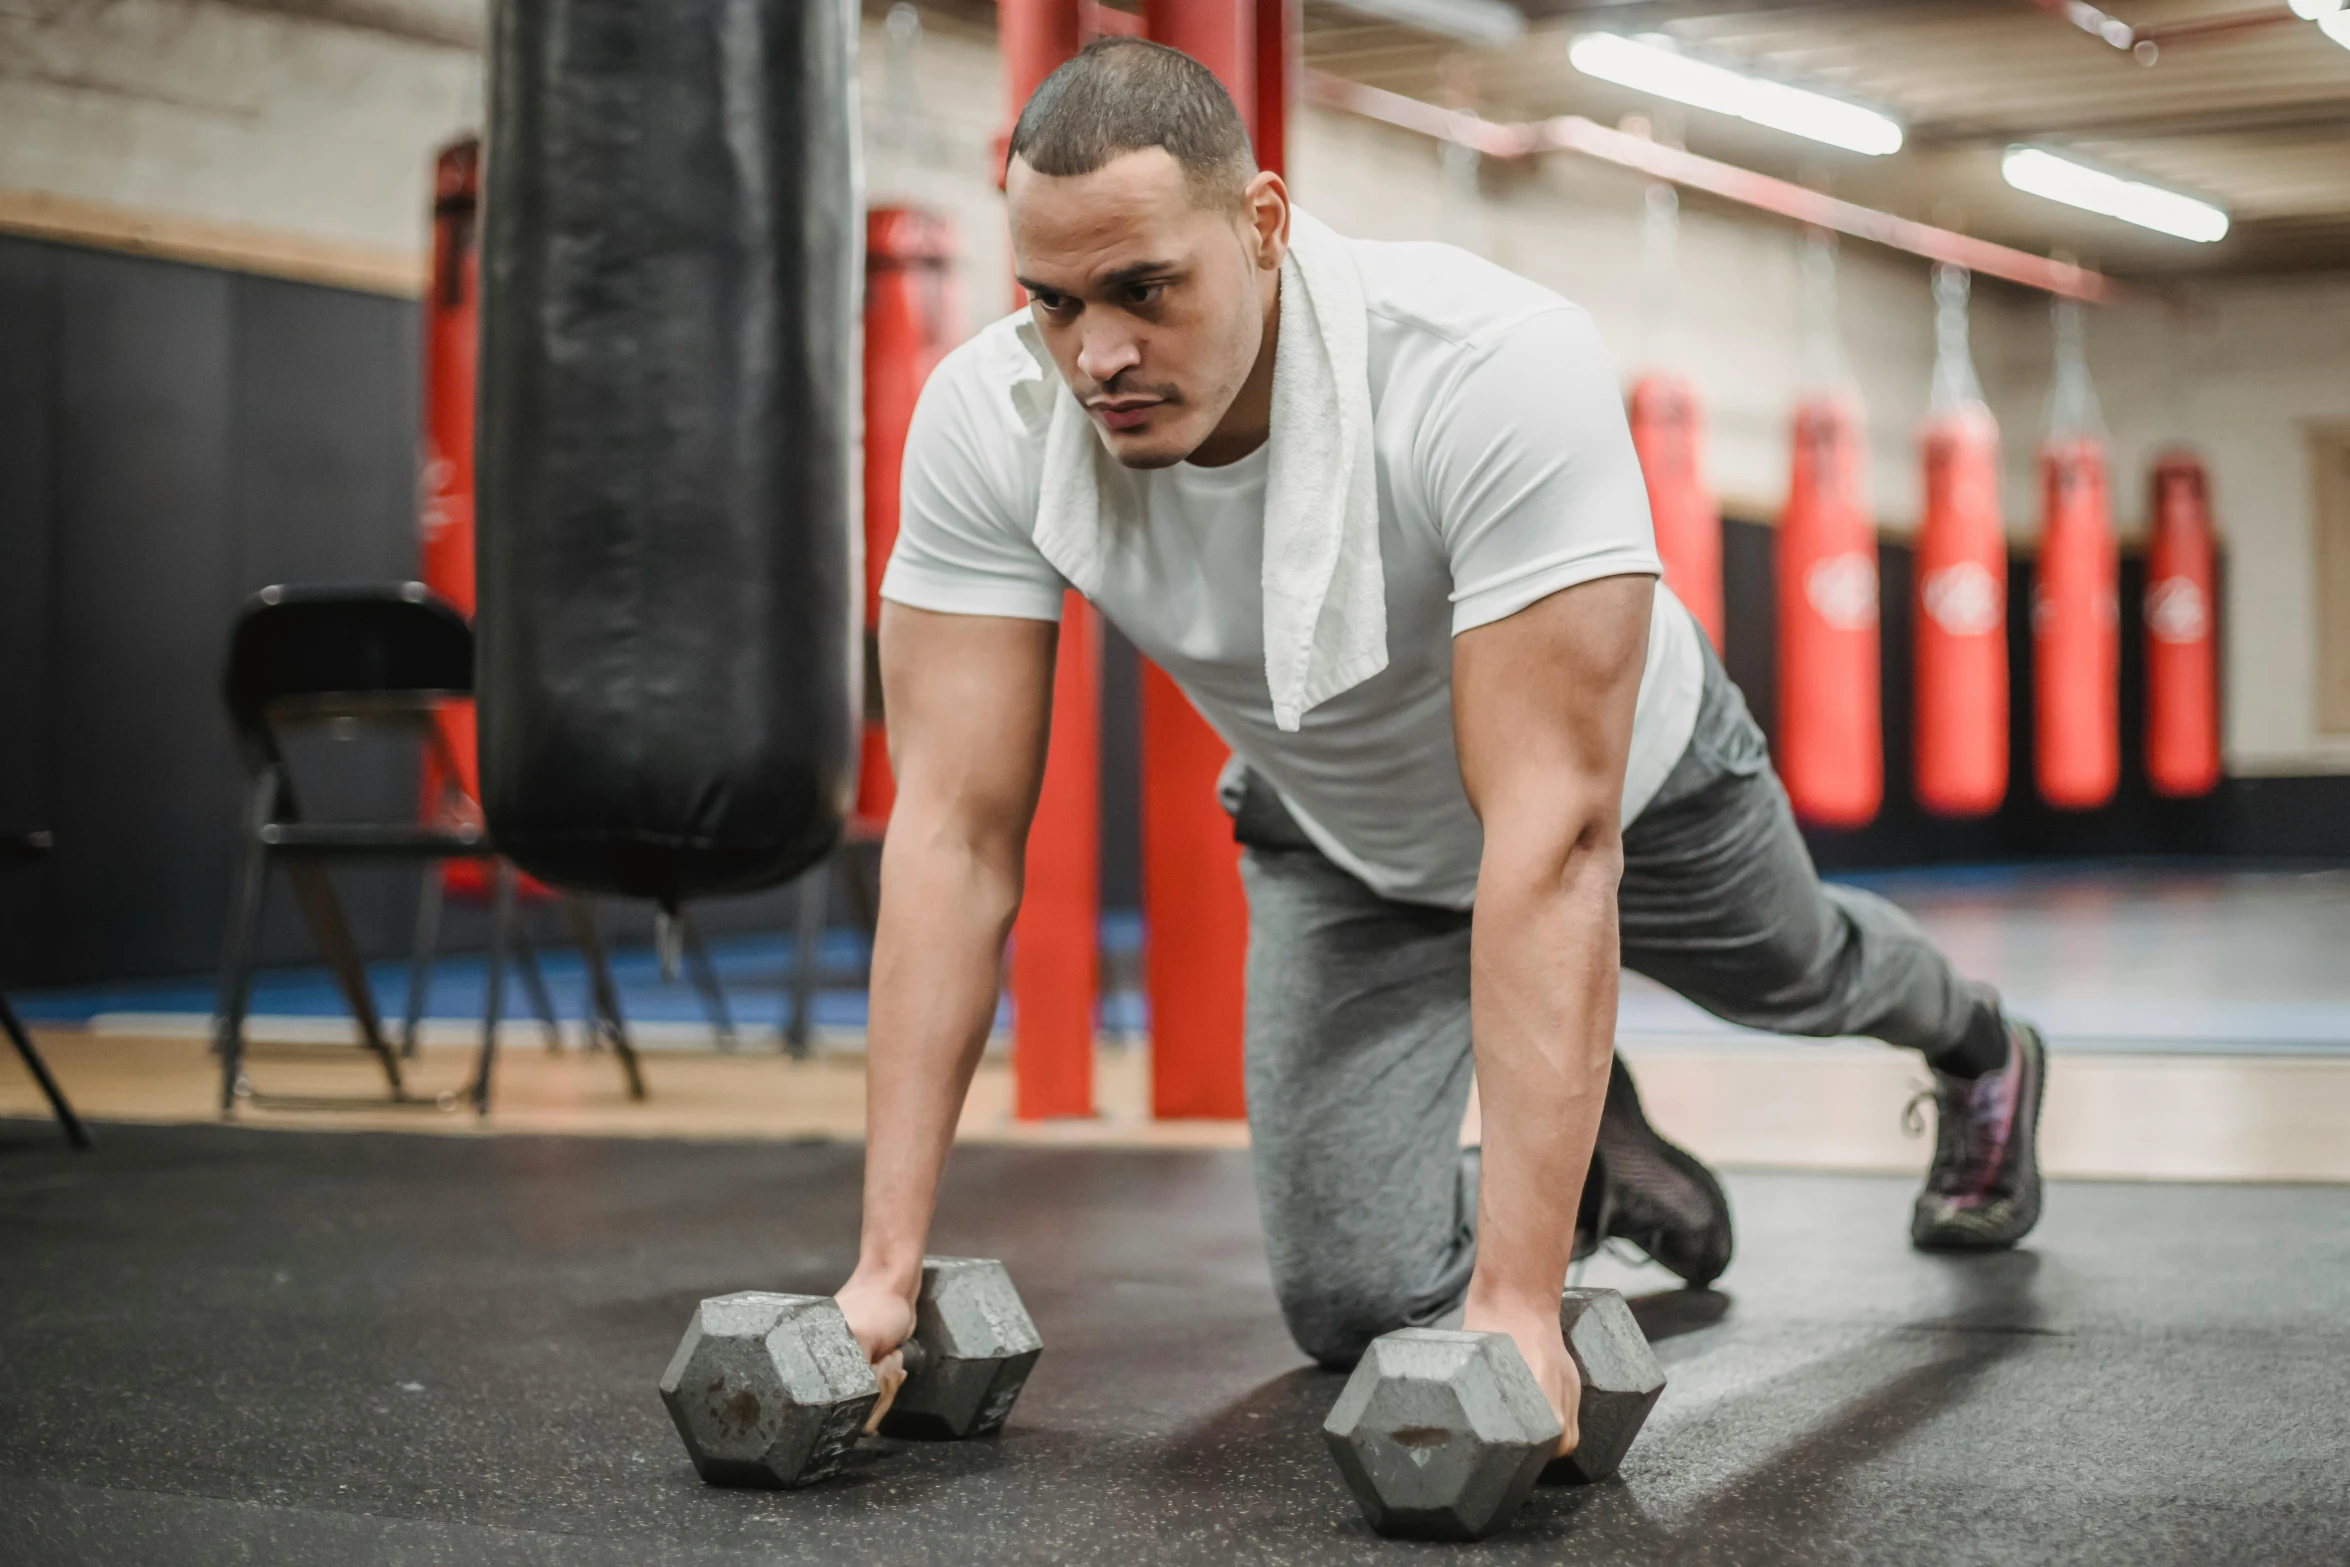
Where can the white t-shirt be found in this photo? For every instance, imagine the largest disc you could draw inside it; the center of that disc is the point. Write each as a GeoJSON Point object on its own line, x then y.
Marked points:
{"type": "Point", "coordinates": [1506, 473]}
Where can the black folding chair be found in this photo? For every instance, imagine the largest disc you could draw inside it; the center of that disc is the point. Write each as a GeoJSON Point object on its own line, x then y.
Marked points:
{"type": "Point", "coordinates": [20, 848]}
{"type": "Point", "coordinates": [854, 867]}
{"type": "Point", "coordinates": [606, 1024]}
{"type": "Point", "coordinates": [383, 656]}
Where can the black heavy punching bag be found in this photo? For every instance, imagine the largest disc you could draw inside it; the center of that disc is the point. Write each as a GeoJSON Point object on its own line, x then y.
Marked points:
{"type": "Point", "coordinates": [668, 554]}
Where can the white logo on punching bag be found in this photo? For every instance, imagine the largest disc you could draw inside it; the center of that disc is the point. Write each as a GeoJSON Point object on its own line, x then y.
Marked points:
{"type": "Point", "coordinates": [2176, 612]}
{"type": "Point", "coordinates": [1843, 588]}
{"type": "Point", "coordinates": [1964, 600]}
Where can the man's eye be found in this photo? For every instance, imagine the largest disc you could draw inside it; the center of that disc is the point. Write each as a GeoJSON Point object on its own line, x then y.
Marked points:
{"type": "Point", "coordinates": [1055, 304]}
{"type": "Point", "coordinates": [1144, 293]}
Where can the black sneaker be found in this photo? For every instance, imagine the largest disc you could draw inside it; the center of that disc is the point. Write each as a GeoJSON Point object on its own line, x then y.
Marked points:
{"type": "Point", "coordinates": [1658, 1196]}
{"type": "Point", "coordinates": [1983, 1191]}
{"type": "Point", "coordinates": [1591, 1213]}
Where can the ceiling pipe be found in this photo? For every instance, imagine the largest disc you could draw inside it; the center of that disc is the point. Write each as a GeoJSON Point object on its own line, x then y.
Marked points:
{"type": "Point", "coordinates": [2145, 44]}
{"type": "Point", "coordinates": [1574, 133]}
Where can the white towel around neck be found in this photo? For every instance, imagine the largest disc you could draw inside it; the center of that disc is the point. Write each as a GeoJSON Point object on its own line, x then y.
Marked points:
{"type": "Point", "coordinates": [1325, 594]}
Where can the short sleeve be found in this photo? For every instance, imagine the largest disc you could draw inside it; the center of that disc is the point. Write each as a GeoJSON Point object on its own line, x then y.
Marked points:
{"type": "Point", "coordinates": [1526, 466]}
{"type": "Point", "coordinates": [964, 545]}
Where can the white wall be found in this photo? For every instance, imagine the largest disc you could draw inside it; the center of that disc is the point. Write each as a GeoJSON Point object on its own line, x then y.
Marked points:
{"type": "Point", "coordinates": [188, 108]}
{"type": "Point", "coordinates": [204, 109]}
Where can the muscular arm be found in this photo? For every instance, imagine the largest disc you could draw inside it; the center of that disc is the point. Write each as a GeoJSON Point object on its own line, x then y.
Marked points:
{"type": "Point", "coordinates": [1542, 704]}
{"type": "Point", "coordinates": [969, 699]}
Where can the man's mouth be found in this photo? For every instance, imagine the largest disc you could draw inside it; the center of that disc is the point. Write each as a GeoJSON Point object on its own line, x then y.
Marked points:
{"type": "Point", "coordinates": [1126, 413]}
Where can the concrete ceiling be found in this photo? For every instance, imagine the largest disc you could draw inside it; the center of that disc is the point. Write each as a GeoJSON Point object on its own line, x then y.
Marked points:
{"type": "Point", "coordinates": [2254, 114]}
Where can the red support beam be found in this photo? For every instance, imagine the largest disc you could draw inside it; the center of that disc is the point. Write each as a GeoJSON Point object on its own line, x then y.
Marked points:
{"type": "Point", "coordinates": [910, 323]}
{"type": "Point", "coordinates": [1195, 919]}
{"type": "Point", "coordinates": [1034, 37]}
{"type": "Point", "coordinates": [1219, 34]}
{"type": "Point", "coordinates": [1056, 941]}
{"type": "Point", "coordinates": [1278, 26]}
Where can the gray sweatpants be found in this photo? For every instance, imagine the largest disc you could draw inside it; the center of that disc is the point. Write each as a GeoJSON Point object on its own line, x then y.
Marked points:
{"type": "Point", "coordinates": [1358, 1016]}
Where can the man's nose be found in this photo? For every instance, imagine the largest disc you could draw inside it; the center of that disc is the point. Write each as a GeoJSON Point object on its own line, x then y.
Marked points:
{"type": "Point", "coordinates": [1102, 356]}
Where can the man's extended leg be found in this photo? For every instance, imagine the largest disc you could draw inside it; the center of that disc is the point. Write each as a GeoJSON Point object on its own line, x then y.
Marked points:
{"type": "Point", "coordinates": [1721, 903]}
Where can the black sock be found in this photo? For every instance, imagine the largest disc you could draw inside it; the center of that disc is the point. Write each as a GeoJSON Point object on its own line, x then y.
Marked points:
{"type": "Point", "coordinates": [1984, 1049]}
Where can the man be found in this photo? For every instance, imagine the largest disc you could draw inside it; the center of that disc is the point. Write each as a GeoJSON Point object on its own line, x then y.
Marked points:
{"type": "Point", "coordinates": [1375, 508]}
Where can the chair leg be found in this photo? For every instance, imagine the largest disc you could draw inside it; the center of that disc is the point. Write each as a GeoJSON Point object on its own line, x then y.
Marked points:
{"type": "Point", "coordinates": [534, 982]}
{"type": "Point", "coordinates": [236, 958]}
{"type": "Point", "coordinates": [75, 1132]}
{"type": "Point", "coordinates": [815, 886]}
{"type": "Point", "coordinates": [705, 977]}
{"type": "Point", "coordinates": [861, 871]}
{"type": "Point", "coordinates": [603, 994]}
{"type": "Point", "coordinates": [324, 911]}
{"type": "Point", "coordinates": [493, 1002]}
{"type": "Point", "coordinates": [428, 942]}
{"type": "Point", "coordinates": [861, 864]}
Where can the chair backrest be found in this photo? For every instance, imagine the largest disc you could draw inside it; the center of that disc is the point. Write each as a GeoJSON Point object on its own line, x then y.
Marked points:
{"type": "Point", "coordinates": [342, 650]}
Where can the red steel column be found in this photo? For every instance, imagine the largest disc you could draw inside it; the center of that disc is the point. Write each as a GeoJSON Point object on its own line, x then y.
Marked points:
{"type": "Point", "coordinates": [1056, 940]}
{"type": "Point", "coordinates": [909, 325]}
{"type": "Point", "coordinates": [1219, 34]}
{"type": "Point", "coordinates": [1278, 26]}
{"type": "Point", "coordinates": [1195, 918]}
{"type": "Point", "coordinates": [1034, 37]}
{"type": "Point", "coordinates": [1056, 960]}
{"type": "Point", "coordinates": [452, 314]}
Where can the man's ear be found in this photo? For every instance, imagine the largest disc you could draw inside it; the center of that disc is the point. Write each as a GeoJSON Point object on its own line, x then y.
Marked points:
{"type": "Point", "coordinates": [1265, 211]}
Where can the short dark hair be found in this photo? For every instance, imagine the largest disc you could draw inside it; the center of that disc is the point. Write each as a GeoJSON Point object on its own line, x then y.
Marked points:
{"type": "Point", "coordinates": [1119, 95]}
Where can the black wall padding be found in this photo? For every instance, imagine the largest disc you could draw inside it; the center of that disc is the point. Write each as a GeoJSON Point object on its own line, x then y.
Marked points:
{"type": "Point", "coordinates": [668, 424]}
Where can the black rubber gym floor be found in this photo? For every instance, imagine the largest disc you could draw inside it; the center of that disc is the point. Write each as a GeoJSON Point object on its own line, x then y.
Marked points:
{"type": "Point", "coordinates": [224, 1345]}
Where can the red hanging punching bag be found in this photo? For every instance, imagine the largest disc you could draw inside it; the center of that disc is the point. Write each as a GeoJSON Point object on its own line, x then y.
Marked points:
{"type": "Point", "coordinates": [1669, 433]}
{"type": "Point", "coordinates": [909, 325]}
{"type": "Point", "coordinates": [2076, 719]}
{"type": "Point", "coordinates": [1830, 746]}
{"type": "Point", "coordinates": [451, 776]}
{"type": "Point", "coordinates": [2182, 649]}
{"type": "Point", "coordinates": [1960, 691]}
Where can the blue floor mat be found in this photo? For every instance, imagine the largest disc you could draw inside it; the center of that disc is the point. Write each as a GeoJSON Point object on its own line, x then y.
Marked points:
{"type": "Point", "coordinates": [754, 972]}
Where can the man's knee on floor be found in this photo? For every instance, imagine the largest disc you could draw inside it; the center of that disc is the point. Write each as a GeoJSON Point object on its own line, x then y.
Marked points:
{"type": "Point", "coordinates": [1335, 1325]}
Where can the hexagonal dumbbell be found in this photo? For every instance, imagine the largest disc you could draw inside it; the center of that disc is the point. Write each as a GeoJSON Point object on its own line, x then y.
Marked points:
{"type": "Point", "coordinates": [1621, 1380]}
{"type": "Point", "coordinates": [972, 1350]}
{"type": "Point", "coordinates": [772, 1390]}
{"type": "Point", "coordinates": [1441, 1434]}
{"type": "Point", "coordinates": [768, 1389]}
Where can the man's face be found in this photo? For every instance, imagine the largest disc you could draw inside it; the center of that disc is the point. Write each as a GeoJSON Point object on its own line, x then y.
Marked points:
{"type": "Point", "coordinates": [1151, 303]}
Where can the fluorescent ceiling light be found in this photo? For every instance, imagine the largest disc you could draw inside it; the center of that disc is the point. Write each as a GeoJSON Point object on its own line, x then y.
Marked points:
{"type": "Point", "coordinates": [1471, 21]}
{"type": "Point", "coordinates": [2336, 27]}
{"type": "Point", "coordinates": [2132, 201]}
{"type": "Point", "coordinates": [1651, 64]}
{"type": "Point", "coordinates": [2315, 10]}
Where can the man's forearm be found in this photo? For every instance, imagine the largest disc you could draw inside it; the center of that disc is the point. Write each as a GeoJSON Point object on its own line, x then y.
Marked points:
{"type": "Point", "coordinates": [1543, 964]}
{"type": "Point", "coordinates": [937, 970]}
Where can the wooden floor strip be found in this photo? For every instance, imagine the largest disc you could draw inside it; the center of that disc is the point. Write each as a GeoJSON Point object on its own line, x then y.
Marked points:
{"type": "Point", "coordinates": [1811, 1107]}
